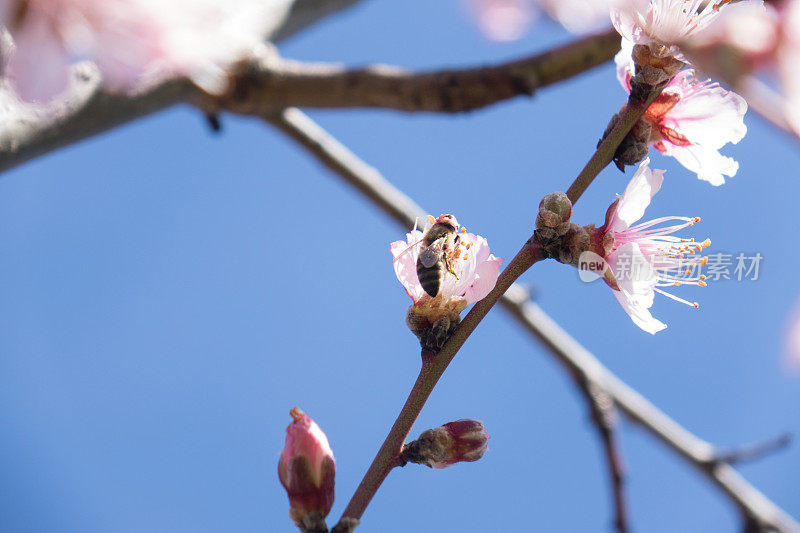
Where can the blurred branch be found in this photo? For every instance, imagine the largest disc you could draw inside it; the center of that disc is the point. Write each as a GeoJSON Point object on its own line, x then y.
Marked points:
{"type": "Point", "coordinates": [267, 83]}
{"type": "Point", "coordinates": [752, 452]}
{"type": "Point", "coordinates": [604, 416]}
{"type": "Point", "coordinates": [756, 508]}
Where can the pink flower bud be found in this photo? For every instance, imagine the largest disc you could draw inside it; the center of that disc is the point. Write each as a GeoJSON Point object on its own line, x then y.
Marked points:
{"type": "Point", "coordinates": [460, 441]}
{"type": "Point", "coordinates": [306, 469]}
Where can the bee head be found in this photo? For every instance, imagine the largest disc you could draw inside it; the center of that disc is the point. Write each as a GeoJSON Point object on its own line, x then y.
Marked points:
{"type": "Point", "coordinates": [450, 220]}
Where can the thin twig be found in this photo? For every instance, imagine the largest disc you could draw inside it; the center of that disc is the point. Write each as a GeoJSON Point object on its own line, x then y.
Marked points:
{"type": "Point", "coordinates": [755, 451]}
{"type": "Point", "coordinates": [755, 507]}
{"type": "Point", "coordinates": [267, 83]}
{"type": "Point", "coordinates": [628, 117]}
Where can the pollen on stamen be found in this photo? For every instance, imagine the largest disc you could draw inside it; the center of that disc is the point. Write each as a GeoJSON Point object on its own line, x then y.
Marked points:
{"type": "Point", "coordinates": [702, 276]}
{"type": "Point", "coordinates": [466, 256]}
{"type": "Point", "coordinates": [696, 305]}
{"type": "Point", "coordinates": [704, 261]}
{"type": "Point", "coordinates": [702, 283]}
{"type": "Point", "coordinates": [463, 229]}
{"type": "Point", "coordinates": [431, 220]}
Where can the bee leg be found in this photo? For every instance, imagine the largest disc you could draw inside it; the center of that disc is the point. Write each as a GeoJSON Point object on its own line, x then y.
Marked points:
{"type": "Point", "coordinates": [449, 267]}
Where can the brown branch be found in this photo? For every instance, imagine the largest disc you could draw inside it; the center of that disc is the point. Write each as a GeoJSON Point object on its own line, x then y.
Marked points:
{"type": "Point", "coordinates": [755, 507]}
{"type": "Point", "coordinates": [266, 84]}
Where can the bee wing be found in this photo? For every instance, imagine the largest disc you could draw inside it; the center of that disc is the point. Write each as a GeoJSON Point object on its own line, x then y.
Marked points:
{"type": "Point", "coordinates": [433, 253]}
{"type": "Point", "coordinates": [410, 247]}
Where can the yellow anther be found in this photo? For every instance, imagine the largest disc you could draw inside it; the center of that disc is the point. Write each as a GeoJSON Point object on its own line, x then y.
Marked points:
{"type": "Point", "coordinates": [702, 276]}
{"type": "Point", "coordinates": [463, 229]}
{"type": "Point", "coordinates": [702, 283]}
{"type": "Point", "coordinates": [706, 243]}
{"type": "Point", "coordinates": [696, 305]}
{"type": "Point", "coordinates": [466, 256]}
{"type": "Point", "coordinates": [704, 261]}
{"type": "Point", "coordinates": [296, 413]}
{"type": "Point", "coordinates": [431, 220]}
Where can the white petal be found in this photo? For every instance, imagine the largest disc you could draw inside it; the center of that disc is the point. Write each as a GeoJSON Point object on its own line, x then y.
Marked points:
{"type": "Point", "coordinates": [707, 163]}
{"type": "Point", "coordinates": [636, 284]}
{"type": "Point", "coordinates": [625, 65]}
{"type": "Point", "coordinates": [640, 190]}
{"type": "Point", "coordinates": [640, 315]}
{"type": "Point", "coordinates": [627, 20]}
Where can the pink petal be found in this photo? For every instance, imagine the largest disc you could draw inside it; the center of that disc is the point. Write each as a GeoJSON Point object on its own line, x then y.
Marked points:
{"type": "Point", "coordinates": [38, 63]}
{"type": "Point", "coordinates": [503, 20]}
{"type": "Point", "coordinates": [485, 279]}
{"type": "Point", "coordinates": [577, 16]}
{"type": "Point", "coordinates": [708, 114]}
{"type": "Point", "coordinates": [405, 268]}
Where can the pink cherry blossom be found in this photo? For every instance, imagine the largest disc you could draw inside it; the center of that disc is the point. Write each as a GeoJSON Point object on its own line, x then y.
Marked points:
{"type": "Point", "coordinates": [133, 42]}
{"type": "Point", "coordinates": [503, 20]}
{"type": "Point", "coordinates": [645, 257]}
{"type": "Point", "coordinates": [691, 120]}
{"type": "Point", "coordinates": [791, 341]}
{"type": "Point", "coordinates": [664, 24]}
{"type": "Point", "coordinates": [476, 269]}
{"type": "Point", "coordinates": [508, 20]}
{"type": "Point", "coordinates": [788, 55]}
{"type": "Point", "coordinates": [577, 16]}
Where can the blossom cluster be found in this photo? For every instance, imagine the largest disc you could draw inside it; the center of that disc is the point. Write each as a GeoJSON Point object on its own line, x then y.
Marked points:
{"type": "Point", "coordinates": [134, 43]}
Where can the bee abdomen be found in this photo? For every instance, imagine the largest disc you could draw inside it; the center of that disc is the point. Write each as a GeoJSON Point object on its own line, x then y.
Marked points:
{"type": "Point", "coordinates": [430, 278]}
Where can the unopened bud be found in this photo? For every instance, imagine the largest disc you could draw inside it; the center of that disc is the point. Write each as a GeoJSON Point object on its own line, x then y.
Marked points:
{"type": "Point", "coordinates": [655, 66]}
{"type": "Point", "coordinates": [552, 221]}
{"type": "Point", "coordinates": [634, 147]}
{"type": "Point", "coordinates": [306, 470]}
{"type": "Point", "coordinates": [455, 442]}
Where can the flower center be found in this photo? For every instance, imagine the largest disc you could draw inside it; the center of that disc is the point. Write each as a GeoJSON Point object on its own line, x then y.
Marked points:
{"type": "Point", "coordinates": [674, 261]}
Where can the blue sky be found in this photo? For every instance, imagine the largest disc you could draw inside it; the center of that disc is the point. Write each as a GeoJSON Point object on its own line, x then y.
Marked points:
{"type": "Point", "coordinates": [168, 294]}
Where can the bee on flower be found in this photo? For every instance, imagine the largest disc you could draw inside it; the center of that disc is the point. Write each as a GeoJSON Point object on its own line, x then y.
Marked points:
{"type": "Point", "coordinates": [443, 268]}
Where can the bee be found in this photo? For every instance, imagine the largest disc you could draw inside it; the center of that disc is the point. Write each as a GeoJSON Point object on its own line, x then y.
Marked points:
{"type": "Point", "coordinates": [438, 243]}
